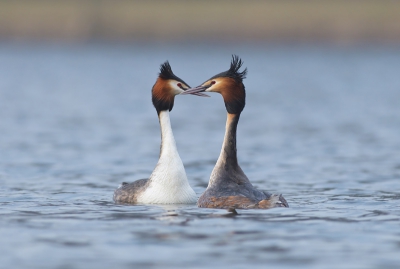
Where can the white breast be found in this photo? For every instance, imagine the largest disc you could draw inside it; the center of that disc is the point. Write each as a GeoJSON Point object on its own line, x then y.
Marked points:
{"type": "Point", "coordinates": [168, 182]}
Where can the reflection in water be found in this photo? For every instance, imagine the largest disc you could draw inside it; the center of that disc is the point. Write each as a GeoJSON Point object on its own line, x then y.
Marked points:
{"type": "Point", "coordinates": [320, 125]}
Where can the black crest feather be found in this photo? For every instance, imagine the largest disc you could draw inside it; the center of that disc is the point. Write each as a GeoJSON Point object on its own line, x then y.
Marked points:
{"type": "Point", "coordinates": [236, 64]}
{"type": "Point", "coordinates": [233, 71]}
{"type": "Point", "coordinates": [166, 72]}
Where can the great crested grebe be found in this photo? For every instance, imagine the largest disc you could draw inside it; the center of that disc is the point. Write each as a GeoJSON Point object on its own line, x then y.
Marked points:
{"type": "Point", "coordinates": [229, 187]}
{"type": "Point", "coordinates": [168, 183]}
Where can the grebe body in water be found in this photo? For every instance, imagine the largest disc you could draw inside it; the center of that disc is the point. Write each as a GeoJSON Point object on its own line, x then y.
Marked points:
{"type": "Point", "coordinates": [168, 184]}
{"type": "Point", "coordinates": [229, 187]}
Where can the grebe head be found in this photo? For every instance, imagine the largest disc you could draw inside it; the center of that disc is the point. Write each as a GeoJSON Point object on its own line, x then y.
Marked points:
{"type": "Point", "coordinates": [229, 84]}
{"type": "Point", "coordinates": [166, 87]}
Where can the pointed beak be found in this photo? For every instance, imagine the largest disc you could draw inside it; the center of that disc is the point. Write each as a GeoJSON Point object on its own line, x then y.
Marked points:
{"type": "Point", "coordinates": [199, 94]}
{"type": "Point", "coordinates": [197, 91]}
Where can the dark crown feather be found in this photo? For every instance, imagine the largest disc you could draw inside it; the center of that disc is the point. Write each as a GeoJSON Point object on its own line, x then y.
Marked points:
{"type": "Point", "coordinates": [236, 64]}
{"type": "Point", "coordinates": [166, 72]}
{"type": "Point", "coordinates": [233, 71]}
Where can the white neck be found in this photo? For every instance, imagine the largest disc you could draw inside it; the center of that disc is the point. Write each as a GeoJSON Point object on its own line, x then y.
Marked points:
{"type": "Point", "coordinates": [168, 182]}
{"type": "Point", "coordinates": [168, 145]}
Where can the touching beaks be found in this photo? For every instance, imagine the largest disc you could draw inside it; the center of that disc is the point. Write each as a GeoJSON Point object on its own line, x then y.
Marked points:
{"type": "Point", "coordinates": [199, 94]}
{"type": "Point", "coordinates": [197, 91]}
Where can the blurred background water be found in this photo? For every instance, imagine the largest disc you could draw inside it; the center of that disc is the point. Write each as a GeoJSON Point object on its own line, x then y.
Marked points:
{"type": "Point", "coordinates": [321, 126]}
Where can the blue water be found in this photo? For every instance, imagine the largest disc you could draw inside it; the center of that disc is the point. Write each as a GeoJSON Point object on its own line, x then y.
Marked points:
{"type": "Point", "coordinates": [321, 126]}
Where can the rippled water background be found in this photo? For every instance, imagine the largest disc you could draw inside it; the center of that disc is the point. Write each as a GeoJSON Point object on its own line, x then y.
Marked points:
{"type": "Point", "coordinates": [321, 126]}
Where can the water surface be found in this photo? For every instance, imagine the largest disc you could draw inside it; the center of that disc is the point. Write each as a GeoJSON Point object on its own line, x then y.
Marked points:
{"type": "Point", "coordinates": [321, 126]}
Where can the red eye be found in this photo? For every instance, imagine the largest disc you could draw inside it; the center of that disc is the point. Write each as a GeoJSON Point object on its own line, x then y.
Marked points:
{"type": "Point", "coordinates": [212, 82]}
{"type": "Point", "coordinates": [179, 85]}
